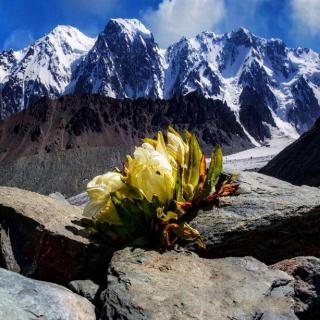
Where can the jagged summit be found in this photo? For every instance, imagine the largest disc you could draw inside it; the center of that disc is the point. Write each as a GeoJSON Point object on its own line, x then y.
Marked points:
{"type": "Point", "coordinates": [63, 35]}
{"type": "Point", "coordinates": [241, 33]}
{"type": "Point", "coordinates": [132, 27]}
{"type": "Point", "coordinates": [244, 30]}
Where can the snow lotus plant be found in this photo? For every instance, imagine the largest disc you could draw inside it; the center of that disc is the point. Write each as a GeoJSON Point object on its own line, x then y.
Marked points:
{"type": "Point", "coordinates": [157, 193]}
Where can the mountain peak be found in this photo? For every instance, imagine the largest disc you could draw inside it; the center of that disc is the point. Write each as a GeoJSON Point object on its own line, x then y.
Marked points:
{"type": "Point", "coordinates": [69, 34]}
{"type": "Point", "coordinates": [132, 27]}
{"type": "Point", "coordinates": [243, 30]}
{"type": "Point", "coordinates": [42, 69]}
{"type": "Point", "coordinates": [241, 36]}
{"type": "Point", "coordinates": [63, 29]}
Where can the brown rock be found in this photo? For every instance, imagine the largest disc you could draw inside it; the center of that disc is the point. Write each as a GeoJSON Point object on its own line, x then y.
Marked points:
{"type": "Point", "coordinates": [43, 238]}
{"type": "Point", "coordinates": [306, 271]}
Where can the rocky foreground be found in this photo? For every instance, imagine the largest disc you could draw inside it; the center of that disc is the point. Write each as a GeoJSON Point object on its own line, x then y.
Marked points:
{"type": "Point", "coordinates": [261, 261]}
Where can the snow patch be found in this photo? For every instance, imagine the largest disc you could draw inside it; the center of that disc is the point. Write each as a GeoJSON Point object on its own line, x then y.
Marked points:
{"type": "Point", "coordinates": [133, 27]}
{"type": "Point", "coordinates": [256, 158]}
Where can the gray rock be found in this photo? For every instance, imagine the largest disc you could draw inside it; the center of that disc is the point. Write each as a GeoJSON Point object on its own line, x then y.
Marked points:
{"type": "Point", "coordinates": [43, 238]}
{"type": "Point", "coordinates": [85, 288]}
{"type": "Point", "coordinates": [306, 271]}
{"type": "Point", "coordinates": [58, 196]}
{"type": "Point", "coordinates": [25, 299]}
{"type": "Point", "coordinates": [268, 218]}
{"type": "Point", "coordinates": [149, 285]}
{"type": "Point", "coordinates": [79, 200]}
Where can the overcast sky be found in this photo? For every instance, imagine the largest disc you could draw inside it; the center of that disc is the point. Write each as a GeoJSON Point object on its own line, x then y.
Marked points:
{"type": "Point", "coordinates": [297, 22]}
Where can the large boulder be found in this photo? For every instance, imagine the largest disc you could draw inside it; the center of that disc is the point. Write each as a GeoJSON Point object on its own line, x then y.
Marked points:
{"type": "Point", "coordinates": [24, 299]}
{"type": "Point", "coordinates": [42, 237]}
{"type": "Point", "coordinates": [299, 163]}
{"type": "Point", "coordinates": [87, 289]}
{"type": "Point", "coordinates": [149, 285]}
{"type": "Point", "coordinates": [306, 271]}
{"type": "Point", "coordinates": [267, 218]}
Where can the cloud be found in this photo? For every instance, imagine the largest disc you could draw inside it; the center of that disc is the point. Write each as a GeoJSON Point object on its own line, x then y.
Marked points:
{"type": "Point", "coordinates": [176, 18]}
{"type": "Point", "coordinates": [18, 39]}
{"type": "Point", "coordinates": [306, 16]}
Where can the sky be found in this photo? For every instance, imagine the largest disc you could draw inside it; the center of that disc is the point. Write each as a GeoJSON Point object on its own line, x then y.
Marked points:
{"type": "Point", "coordinates": [297, 22]}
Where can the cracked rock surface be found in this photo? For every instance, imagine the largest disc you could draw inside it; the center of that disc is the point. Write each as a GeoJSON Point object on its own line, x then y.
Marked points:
{"type": "Point", "coordinates": [149, 285]}
{"type": "Point", "coordinates": [268, 218]}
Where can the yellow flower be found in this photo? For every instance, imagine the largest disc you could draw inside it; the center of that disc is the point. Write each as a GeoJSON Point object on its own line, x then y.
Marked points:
{"type": "Point", "coordinates": [109, 214]}
{"type": "Point", "coordinates": [99, 189]}
{"type": "Point", "coordinates": [176, 147]}
{"type": "Point", "coordinates": [151, 172]}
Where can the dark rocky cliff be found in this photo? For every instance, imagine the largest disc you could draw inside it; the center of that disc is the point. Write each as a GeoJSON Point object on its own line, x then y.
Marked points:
{"type": "Point", "coordinates": [299, 163]}
{"type": "Point", "coordinates": [81, 136]}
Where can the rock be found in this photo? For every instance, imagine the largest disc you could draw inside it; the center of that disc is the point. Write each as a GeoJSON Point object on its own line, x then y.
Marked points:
{"type": "Point", "coordinates": [85, 288]}
{"type": "Point", "coordinates": [79, 200]}
{"type": "Point", "coordinates": [268, 218]}
{"type": "Point", "coordinates": [306, 271]}
{"type": "Point", "coordinates": [43, 238]}
{"type": "Point", "coordinates": [299, 163]}
{"type": "Point", "coordinates": [149, 285]}
{"type": "Point", "coordinates": [24, 299]}
{"type": "Point", "coordinates": [58, 196]}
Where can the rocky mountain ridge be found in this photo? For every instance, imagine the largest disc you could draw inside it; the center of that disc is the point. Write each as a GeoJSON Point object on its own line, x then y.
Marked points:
{"type": "Point", "coordinates": [83, 135]}
{"type": "Point", "coordinates": [80, 121]}
{"type": "Point", "coordinates": [272, 89]}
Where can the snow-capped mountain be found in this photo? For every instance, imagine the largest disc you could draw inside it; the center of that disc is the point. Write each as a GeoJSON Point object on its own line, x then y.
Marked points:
{"type": "Point", "coordinates": [125, 62]}
{"type": "Point", "coordinates": [272, 89]}
{"type": "Point", "coordinates": [269, 86]}
{"type": "Point", "coordinates": [42, 69]}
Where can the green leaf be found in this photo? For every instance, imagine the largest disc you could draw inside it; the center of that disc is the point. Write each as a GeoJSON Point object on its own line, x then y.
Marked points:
{"type": "Point", "coordinates": [193, 173]}
{"type": "Point", "coordinates": [178, 190]}
{"type": "Point", "coordinates": [214, 171]}
{"type": "Point", "coordinates": [166, 216]}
